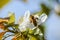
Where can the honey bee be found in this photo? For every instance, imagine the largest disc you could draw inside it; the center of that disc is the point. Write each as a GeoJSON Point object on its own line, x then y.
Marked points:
{"type": "Point", "coordinates": [33, 20]}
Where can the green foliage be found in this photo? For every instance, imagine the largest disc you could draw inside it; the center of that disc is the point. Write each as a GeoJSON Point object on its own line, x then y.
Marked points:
{"type": "Point", "coordinates": [11, 18]}
{"type": "Point", "coordinates": [45, 9]}
{"type": "Point", "coordinates": [3, 2]}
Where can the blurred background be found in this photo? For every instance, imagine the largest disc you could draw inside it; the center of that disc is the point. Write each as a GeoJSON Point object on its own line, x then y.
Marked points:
{"type": "Point", "coordinates": [50, 7]}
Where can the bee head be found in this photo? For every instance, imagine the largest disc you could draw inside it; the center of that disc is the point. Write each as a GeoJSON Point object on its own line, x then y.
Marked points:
{"type": "Point", "coordinates": [33, 20]}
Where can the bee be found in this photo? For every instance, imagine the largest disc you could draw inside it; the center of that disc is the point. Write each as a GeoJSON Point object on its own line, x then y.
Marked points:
{"type": "Point", "coordinates": [33, 20]}
{"type": "Point", "coordinates": [37, 20]}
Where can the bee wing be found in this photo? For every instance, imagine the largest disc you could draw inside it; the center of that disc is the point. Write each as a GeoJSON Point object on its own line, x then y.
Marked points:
{"type": "Point", "coordinates": [27, 15]}
{"type": "Point", "coordinates": [43, 17]}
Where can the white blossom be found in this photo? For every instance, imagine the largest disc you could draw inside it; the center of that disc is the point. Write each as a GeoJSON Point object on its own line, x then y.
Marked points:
{"type": "Point", "coordinates": [26, 23]}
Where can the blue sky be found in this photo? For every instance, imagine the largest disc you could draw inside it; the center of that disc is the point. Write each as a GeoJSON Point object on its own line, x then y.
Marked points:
{"type": "Point", "coordinates": [19, 8]}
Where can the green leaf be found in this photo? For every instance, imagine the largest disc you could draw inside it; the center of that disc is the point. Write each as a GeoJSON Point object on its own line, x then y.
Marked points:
{"type": "Point", "coordinates": [42, 28]}
{"type": "Point", "coordinates": [34, 37]}
{"type": "Point", "coordinates": [12, 18]}
{"type": "Point", "coordinates": [31, 31]}
{"type": "Point", "coordinates": [16, 26]}
{"type": "Point", "coordinates": [45, 9]}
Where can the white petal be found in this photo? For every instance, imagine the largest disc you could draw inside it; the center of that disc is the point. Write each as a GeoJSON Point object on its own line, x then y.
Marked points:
{"type": "Point", "coordinates": [43, 17]}
{"type": "Point", "coordinates": [41, 34]}
{"type": "Point", "coordinates": [22, 28]}
{"type": "Point", "coordinates": [27, 15]}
